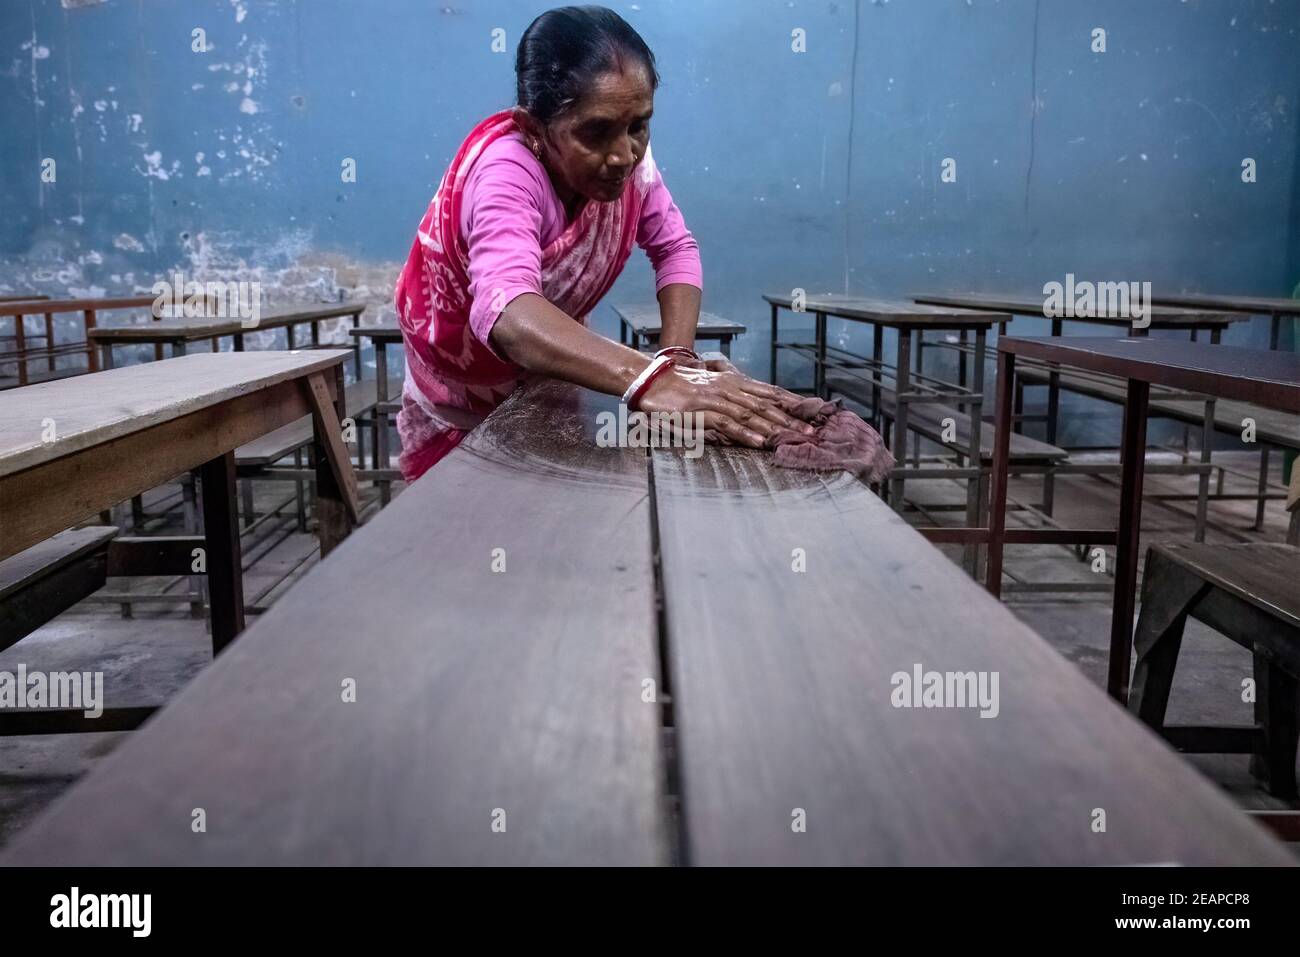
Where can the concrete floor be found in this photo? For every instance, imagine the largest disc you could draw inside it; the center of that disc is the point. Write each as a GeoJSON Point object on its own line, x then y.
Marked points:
{"type": "Point", "coordinates": [147, 658]}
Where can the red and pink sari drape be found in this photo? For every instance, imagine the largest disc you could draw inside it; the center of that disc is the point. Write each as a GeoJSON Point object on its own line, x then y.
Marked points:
{"type": "Point", "coordinates": [452, 380]}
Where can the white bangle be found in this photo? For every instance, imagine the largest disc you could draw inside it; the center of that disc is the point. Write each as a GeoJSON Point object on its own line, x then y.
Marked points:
{"type": "Point", "coordinates": [646, 374]}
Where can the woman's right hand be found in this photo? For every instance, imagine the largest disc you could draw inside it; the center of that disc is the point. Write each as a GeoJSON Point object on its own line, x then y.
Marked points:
{"type": "Point", "coordinates": [737, 410]}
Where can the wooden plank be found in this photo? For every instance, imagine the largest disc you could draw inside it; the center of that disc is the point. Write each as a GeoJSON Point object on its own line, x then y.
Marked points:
{"type": "Point", "coordinates": [382, 333]}
{"type": "Point", "coordinates": [782, 684]}
{"type": "Point", "coordinates": [154, 555]}
{"type": "Point", "coordinates": [329, 434]}
{"type": "Point", "coordinates": [49, 578]}
{"type": "Point", "coordinates": [1251, 305]}
{"type": "Point", "coordinates": [29, 566]}
{"type": "Point", "coordinates": [1266, 574]}
{"type": "Point", "coordinates": [192, 329]}
{"type": "Point", "coordinates": [270, 448]}
{"type": "Point", "coordinates": [1272, 427]}
{"type": "Point", "coordinates": [93, 478]}
{"type": "Point", "coordinates": [16, 307]}
{"type": "Point", "coordinates": [465, 684]}
{"type": "Point", "coordinates": [1160, 316]}
{"type": "Point", "coordinates": [92, 409]}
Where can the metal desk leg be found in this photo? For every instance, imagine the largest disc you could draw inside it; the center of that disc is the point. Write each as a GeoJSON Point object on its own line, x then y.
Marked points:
{"type": "Point", "coordinates": [1001, 461]}
{"type": "Point", "coordinates": [903, 382]}
{"type": "Point", "coordinates": [1203, 480]}
{"type": "Point", "coordinates": [1053, 416]}
{"type": "Point", "coordinates": [300, 502]}
{"type": "Point", "coordinates": [20, 343]}
{"type": "Point", "coordinates": [106, 355]}
{"type": "Point", "coordinates": [724, 344]}
{"type": "Point", "coordinates": [381, 418]}
{"type": "Point", "coordinates": [356, 346]}
{"type": "Point", "coordinates": [49, 341]}
{"type": "Point", "coordinates": [1133, 452]}
{"type": "Point", "coordinates": [196, 584]}
{"type": "Point", "coordinates": [221, 537]}
{"type": "Point", "coordinates": [1263, 487]}
{"type": "Point", "coordinates": [961, 359]}
{"type": "Point", "coordinates": [878, 353]}
{"type": "Point", "coordinates": [920, 353]}
{"type": "Point", "coordinates": [819, 371]}
{"type": "Point", "coordinates": [772, 377]}
{"type": "Point", "coordinates": [88, 318]}
{"type": "Point", "coordinates": [622, 330]}
{"type": "Point", "coordinates": [974, 454]}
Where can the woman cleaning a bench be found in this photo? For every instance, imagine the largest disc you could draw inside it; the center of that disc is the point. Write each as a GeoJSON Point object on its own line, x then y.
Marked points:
{"type": "Point", "coordinates": [532, 223]}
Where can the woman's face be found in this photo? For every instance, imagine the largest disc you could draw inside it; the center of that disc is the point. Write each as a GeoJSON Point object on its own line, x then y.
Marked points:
{"type": "Point", "coordinates": [593, 147]}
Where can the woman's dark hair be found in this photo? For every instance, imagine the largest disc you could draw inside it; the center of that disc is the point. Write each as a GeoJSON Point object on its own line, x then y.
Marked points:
{"type": "Point", "coordinates": [564, 49]}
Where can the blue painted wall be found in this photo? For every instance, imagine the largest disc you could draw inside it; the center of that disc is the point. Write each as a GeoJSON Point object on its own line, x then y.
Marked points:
{"type": "Point", "coordinates": [817, 169]}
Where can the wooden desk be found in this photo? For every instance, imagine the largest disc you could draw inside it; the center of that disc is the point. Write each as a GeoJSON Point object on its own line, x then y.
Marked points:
{"type": "Point", "coordinates": [1275, 308]}
{"type": "Point", "coordinates": [641, 324]}
{"type": "Point", "coordinates": [180, 332]}
{"type": "Point", "coordinates": [1162, 316]}
{"type": "Point", "coordinates": [1262, 377]}
{"type": "Point", "coordinates": [71, 448]}
{"type": "Point", "coordinates": [911, 385]}
{"type": "Point", "coordinates": [538, 690]}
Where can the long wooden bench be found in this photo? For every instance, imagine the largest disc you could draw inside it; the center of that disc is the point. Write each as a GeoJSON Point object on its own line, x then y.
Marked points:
{"type": "Point", "coordinates": [927, 420]}
{"type": "Point", "coordinates": [360, 399]}
{"type": "Point", "coordinates": [486, 673]}
{"type": "Point", "coordinates": [1274, 428]}
{"type": "Point", "coordinates": [1250, 593]}
{"type": "Point", "coordinates": [47, 579]}
{"type": "Point", "coordinates": [40, 583]}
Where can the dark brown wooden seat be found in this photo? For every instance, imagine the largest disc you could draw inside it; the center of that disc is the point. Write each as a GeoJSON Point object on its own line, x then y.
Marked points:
{"type": "Point", "coordinates": [639, 326]}
{"type": "Point", "coordinates": [359, 398]}
{"type": "Point", "coordinates": [1249, 592]}
{"type": "Point", "coordinates": [1272, 426]}
{"type": "Point", "coordinates": [41, 582]}
{"type": "Point", "coordinates": [927, 420]}
{"type": "Point", "coordinates": [45, 580]}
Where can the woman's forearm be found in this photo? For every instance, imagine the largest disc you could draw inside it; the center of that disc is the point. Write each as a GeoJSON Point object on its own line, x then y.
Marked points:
{"type": "Point", "coordinates": [679, 308]}
{"type": "Point", "coordinates": [534, 334]}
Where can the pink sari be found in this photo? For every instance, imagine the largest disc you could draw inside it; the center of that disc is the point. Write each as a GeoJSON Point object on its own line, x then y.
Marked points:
{"type": "Point", "coordinates": [452, 380]}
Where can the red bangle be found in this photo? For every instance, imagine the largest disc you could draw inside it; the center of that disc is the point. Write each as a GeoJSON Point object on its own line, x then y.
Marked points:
{"type": "Point", "coordinates": [656, 368]}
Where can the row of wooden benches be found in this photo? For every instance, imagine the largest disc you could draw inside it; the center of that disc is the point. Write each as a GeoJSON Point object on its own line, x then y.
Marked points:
{"type": "Point", "coordinates": [949, 427]}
